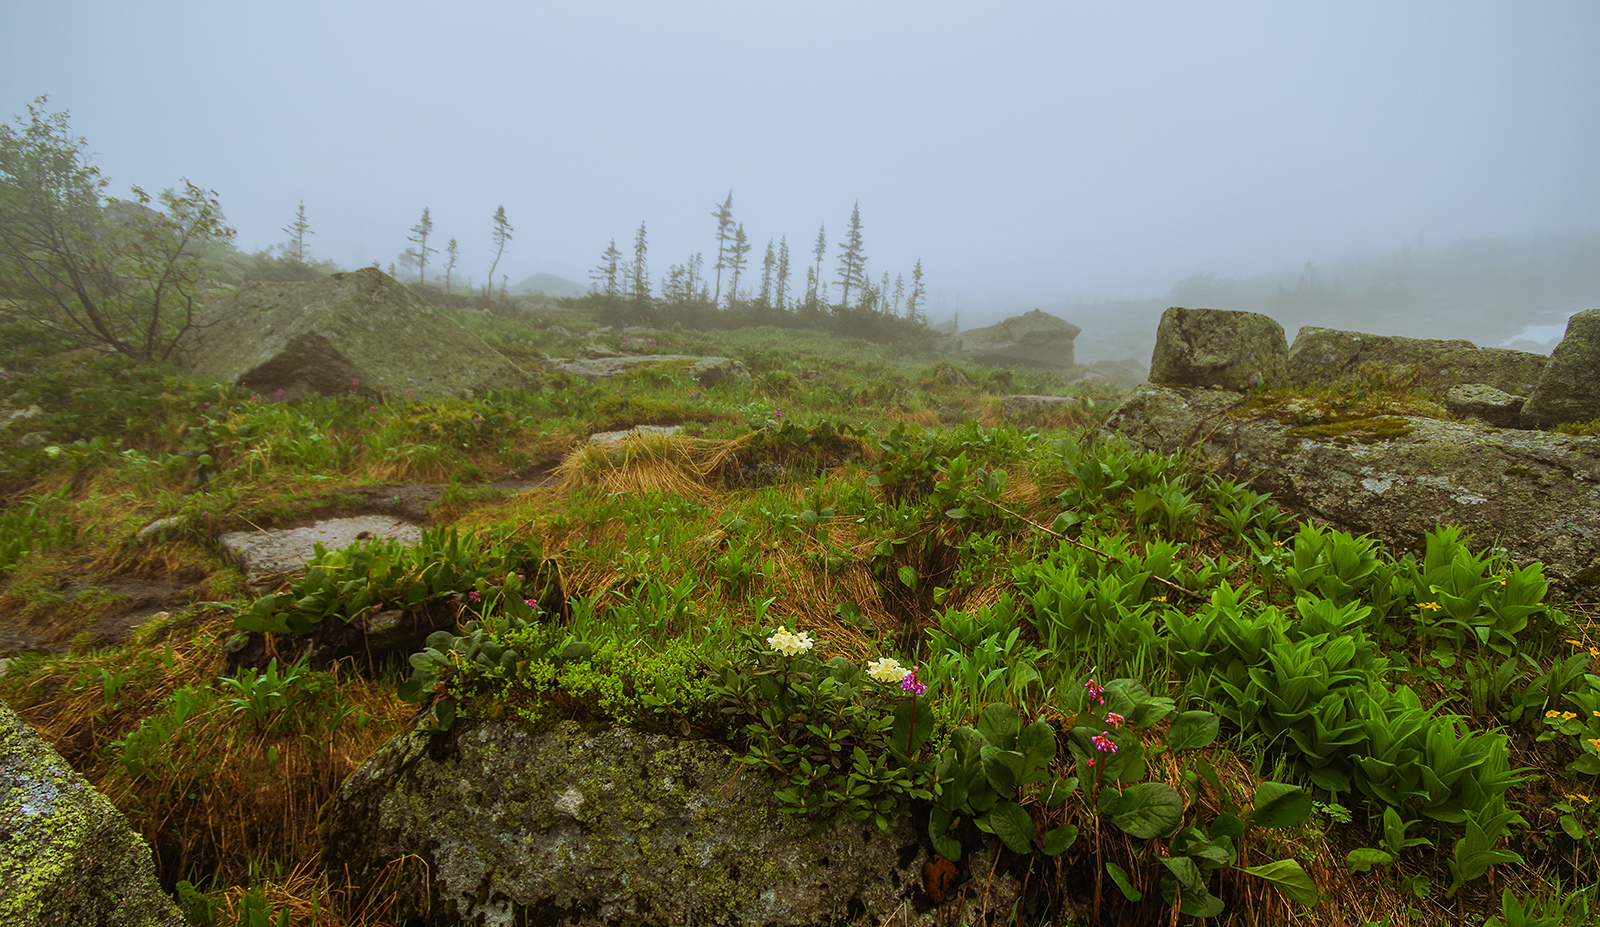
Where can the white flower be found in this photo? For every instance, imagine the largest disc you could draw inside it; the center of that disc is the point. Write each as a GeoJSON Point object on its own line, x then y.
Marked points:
{"type": "Point", "coordinates": [886, 670]}
{"type": "Point", "coordinates": [790, 643]}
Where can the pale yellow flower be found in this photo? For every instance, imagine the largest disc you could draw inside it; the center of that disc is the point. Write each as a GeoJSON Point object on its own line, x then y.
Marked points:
{"type": "Point", "coordinates": [790, 643]}
{"type": "Point", "coordinates": [887, 669]}
{"type": "Point", "coordinates": [1579, 797]}
{"type": "Point", "coordinates": [1430, 606]}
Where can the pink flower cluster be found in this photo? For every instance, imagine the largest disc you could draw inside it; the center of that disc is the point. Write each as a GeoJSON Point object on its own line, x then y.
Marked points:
{"type": "Point", "coordinates": [910, 684]}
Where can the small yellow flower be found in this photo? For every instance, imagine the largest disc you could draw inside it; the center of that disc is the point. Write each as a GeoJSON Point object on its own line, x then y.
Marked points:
{"type": "Point", "coordinates": [1594, 651]}
{"type": "Point", "coordinates": [1597, 714]}
{"type": "Point", "coordinates": [1577, 644]}
{"type": "Point", "coordinates": [1430, 606]}
{"type": "Point", "coordinates": [1595, 741]}
{"type": "Point", "coordinates": [1568, 715]}
{"type": "Point", "coordinates": [1580, 797]}
{"type": "Point", "coordinates": [1552, 713]}
{"type": "Point", "coordinates": [1159, 598]}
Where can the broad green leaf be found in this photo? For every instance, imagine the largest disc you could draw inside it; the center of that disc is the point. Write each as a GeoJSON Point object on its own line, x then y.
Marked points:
{"type": "Point", "coordinates": [1279, 804]}
{"type": "Point", "coordinates": [1287, 877]}
{"type": "Point", "coordinates": [1012, 825]}
{"type": "Point", "coordinates": [1148, 809]}
{"type": "Point", "coordinates": [1120, 876]}
{"type": "Point", "coordinates": [908, 576]}
{"type": "Point", "coordinates": [1192, 730]}
{"type": "Point", "coordinates": [1186, 872]}
{"type": "Point", "coordinates": [1363, 858]}
{"type": "Point", "coordinates": [1059, 839]}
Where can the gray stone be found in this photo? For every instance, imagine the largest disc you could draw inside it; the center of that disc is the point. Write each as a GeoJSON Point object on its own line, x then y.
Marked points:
{"type": "Point", "coordinates": [360, 332]}
{"type": "Point", "coordinates": [1536, 494]}
{"type": "Point", "coordinates": [1218, 348]}
{"type": "Point", "coordinates": [611, 440]}
{"type": "Point", "coordinates": [34, 439]}
{"type": "Point", "coordinates": [17, 416]}
{"type": "Point", "coordinates": [161, 526]}
{"type": "Point", "coordinates": [274, 553]}
{"type": "Point", "coordinates": [1324, 357]}
{"type": "Point", "coordinates": [1033, 339]}
{"type": "Point", "coordinates": [1020, 406]}
{"type": "Point", "coordinates": [1485, 403]}
{"type": "Point", "coordinates": [707, 371]}
{"type": "Point", "coordinates": [67, 856]}
{"type": "Point", "coordinates": [502, 824]}
{"type": "Point", "coordinates": [1569, 390]}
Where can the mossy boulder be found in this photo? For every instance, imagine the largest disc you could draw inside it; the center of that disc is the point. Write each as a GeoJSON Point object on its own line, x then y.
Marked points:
{"type": "Point", "coordinates": [1327, 357]}
{"type": "Point", "coordinates": [67, 856]}
{"type": "Point", "coordinates": [1033, 339]}
{"type": "Point", "coordinates": [361, 332]}
{"type": "Point", "coordinates": [502, 824]}
{"type": "Point", "coordinates": [1569, 390]}
{"type": "Point", "coordinates": [706, 371]}
{"type": "Point", "coordinates": [1395, 474]}
{"type": "Point", "coordinates": [1219, 349]}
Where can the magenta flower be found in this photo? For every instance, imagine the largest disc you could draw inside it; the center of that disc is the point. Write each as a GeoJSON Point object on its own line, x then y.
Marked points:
{"type": "Point", "coordinates": [1114, 718]}
{"type": "Point", "coordinates": [910, 684]}
{"type": "Point", "coordinates": [1096, 692]}
{"type": "Point", "coordinates": [1103, 742]}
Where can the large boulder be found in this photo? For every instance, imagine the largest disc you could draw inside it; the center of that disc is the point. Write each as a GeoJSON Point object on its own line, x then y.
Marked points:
{"type": "Point", "coordinates": [1396, 476]}
{"type": "Point", "coordinates": [1323, 357]}
{"type": "Point", "coordinates": [598, 362]}
{"type": "Point", "coordinates": [1569, 390]}
{"type": "Point", "coordinates": [360, 332]}
{"type": "Point", "coordinates": [1218, 348]}
{"type": "Point", "coordinates": [1033, 339]}
{"type": "Point", "coordinates": [67, 857]}
{"type": "Point", "coordinates": [498, 824]}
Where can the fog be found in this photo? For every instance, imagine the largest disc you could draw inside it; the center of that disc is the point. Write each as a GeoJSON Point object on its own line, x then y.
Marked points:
{"type": "Point", "coordinates": [1091, 159]}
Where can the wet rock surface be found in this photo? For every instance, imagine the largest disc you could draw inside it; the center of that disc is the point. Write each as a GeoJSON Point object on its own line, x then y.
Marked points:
{"type": "Point", "coordinates": [1535, 494]}
{"type": "Point", "coordinates": [1569, 390]}
{"type": "Point", "coordinates": [67, 856]}
{"type": "Point", "coordinates": [1033, 339]}
{"type": "Point", "coordinates": [498, 824]}
{"type": "Point", "coordinates": [275, 553]}
{"type": "Point", "coordinates": [1218, 348]}
{"type": "Point", "coordinates": [1323, 357]}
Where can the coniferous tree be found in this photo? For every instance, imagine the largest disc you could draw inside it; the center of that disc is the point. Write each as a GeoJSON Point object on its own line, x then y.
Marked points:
{"type": "Point", "coordinates": [724, 217]}
{"type": "Point", "coordinates": [419, 254]}
{"type": "Point", "coordinates": [736, 261]}
{"type": "Point", "coordinates": [454, 251]}
{"type": "Point", "coordinates": [605, 275]}
{"type": "Point", "coordinates": [883, 294]}
{"type": "Point", "coordinates": [899, 291]}
{"type": "Point", "coordinates": [768, 264]}
{"type": "Point", "coordinates": [914, 302]}
{"type": "Point", "coordinates": [782, 290]}
{"type": "Point", "coordinates": [640, 289]}
{"type": "Point", "coordinates": [852, 259]}
{"type": "Point", "coordinates": [814, 284]}
{"type": "Point", "coordinates": [499, 235]}
{"type": "Point", "coordinates": [298, 230]}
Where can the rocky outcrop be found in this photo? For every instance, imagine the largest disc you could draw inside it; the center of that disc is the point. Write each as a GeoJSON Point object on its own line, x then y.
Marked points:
{"type": "Point", "coordinates": [1397, 476]}
{"type": "Point", "coordinates": [1218, 348]}
{"type": "Point", "coordinates": [361, 332]}
{"type": "Point", "coordinates": [67, 857]}
{"type": "Point", "coordinates": [1033, 339]}
{"type": "Point", "coordinates": [500, 825]}
{"type": "Point", "coordinates": [604, 362]}
{"type": "Point", "coordinates": [1569, 390]}
{"type": "Point", "coordinates": [1323, 357]}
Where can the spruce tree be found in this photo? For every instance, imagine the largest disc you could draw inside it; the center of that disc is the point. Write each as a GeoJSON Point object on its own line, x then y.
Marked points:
{"type": "Point", "coordinates": [737, 262]}
{"type": "Point", "coordinates": [640, 291]}
{"type": "Point", "coordinates": [914, 302]}
{"type": "Point", "coordinates": [768, 264]}
{"type": "Point", "coordinates": [724, 217]}
{"type": "Point", "coordinates": [298, 230]}
{"type": "Point", "coordinates": [605, 275]}
{"type": "Point", "coordinates": [782, 290]}
{"type": "Point", "coordinates": [814, 284]}
{"type": "Point", "coordinates": [499, 235]}
{"type": "Point", "coordinates": [454, 251]}
{"type": "Point", "coordinates": [852, 259]}
{"type": "Point", "coordinates": [419, 254]}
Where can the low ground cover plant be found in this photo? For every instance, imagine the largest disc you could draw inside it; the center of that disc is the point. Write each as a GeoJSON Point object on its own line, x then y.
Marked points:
{"type": "Point", "coordinates": [1161, 695]}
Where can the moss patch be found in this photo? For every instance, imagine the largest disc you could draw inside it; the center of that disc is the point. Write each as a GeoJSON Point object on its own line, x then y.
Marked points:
{"type": "Point", "coordinates": [1357, 431]}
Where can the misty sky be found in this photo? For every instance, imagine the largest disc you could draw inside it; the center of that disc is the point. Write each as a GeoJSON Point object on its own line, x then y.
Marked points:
{"type": "Point", "coordinates": [1024, 151]}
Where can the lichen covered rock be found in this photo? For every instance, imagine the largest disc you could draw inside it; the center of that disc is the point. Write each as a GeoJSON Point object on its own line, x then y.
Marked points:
{"type": "Point", "coordinates": [1325, 357]}
{"type": "Point", "coordinates": [1397, 476]}
{"type": "Point", "coordinates": [67, 857]}
{"type": "Point", "coordinates": [360, 332]}
{"type": "Point", "coordinates": [503, 825]}
{"type": "Point", "coordinates": [1569, 390]}
{"type": "Point", "coordinates": [1218, 348]}
{"type": "Point", "coordinates": [1033, 339]}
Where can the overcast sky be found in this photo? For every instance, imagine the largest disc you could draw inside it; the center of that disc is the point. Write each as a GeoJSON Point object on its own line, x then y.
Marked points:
{"type": "Point", "coordinates": [1023, 151]}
